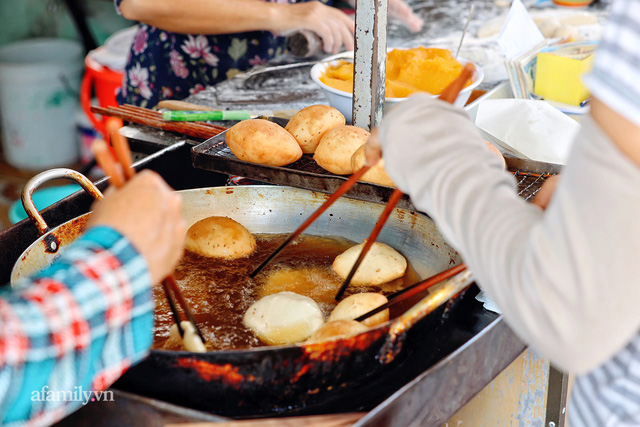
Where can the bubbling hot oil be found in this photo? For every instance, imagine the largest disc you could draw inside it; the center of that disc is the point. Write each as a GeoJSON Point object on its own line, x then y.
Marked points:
{"type": "Point", "coordinates": [219, 292]}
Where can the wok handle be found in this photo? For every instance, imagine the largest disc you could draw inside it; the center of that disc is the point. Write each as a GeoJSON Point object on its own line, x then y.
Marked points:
{"type": "Point", "coordinates": [49, 175]}
{"type": "Point", "coordinates": [435, 299]}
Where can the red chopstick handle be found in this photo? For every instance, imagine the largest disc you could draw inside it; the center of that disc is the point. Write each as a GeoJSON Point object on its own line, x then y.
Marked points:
{"type": "Point", "coordinates": [450, 93]}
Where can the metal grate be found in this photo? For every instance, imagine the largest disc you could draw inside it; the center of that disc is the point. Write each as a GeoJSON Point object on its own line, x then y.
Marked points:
{"type": "Point", "coordinates": [215, 155]}
{"type": "Point", "coordinates": [529, 183]}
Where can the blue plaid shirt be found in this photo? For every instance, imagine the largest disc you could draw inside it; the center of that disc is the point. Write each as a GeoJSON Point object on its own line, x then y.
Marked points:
{"type": "Point", "coordinates": [75, 327]}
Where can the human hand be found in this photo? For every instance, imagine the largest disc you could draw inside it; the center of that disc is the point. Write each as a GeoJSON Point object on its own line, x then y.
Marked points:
{"type": "Point", "coordinates": [545, 193]}
{"type": "Point", "coordinates": [373, 149]}
{"type": "Point", "coordinates": [401, 11]}
{"type": "Point", "coordinates": [148, 213]}
{"type": "Point", "coordinates": [333, 26]}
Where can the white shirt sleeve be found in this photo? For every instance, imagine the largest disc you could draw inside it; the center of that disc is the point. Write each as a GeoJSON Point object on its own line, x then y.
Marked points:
{"type": "Point", "coordinates": [567, 279]}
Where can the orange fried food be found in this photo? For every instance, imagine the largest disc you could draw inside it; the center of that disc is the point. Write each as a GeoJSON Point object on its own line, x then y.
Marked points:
{"type": "Point", "coordinates": [408, 71]}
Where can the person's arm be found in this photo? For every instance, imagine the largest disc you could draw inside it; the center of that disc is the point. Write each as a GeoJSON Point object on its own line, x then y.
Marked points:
{"type": "Point", "coordinates": [227, 17]}
{"type": "Point", "coordinates": [73, 329]}
{"type": "Point", "coordinates": [564, 278]}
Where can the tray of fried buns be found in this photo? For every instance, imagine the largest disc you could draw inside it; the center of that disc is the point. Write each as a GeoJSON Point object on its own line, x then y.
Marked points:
{"type": "Point", "coordinates": [316, 150]}
{"type": "Point", "coordinates": [270, 163]}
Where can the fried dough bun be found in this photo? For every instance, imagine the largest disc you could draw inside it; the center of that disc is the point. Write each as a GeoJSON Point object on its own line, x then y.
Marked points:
{"type": "Point", "coordinates": [313, 282]}
{"type": "Point", "coordinates": [382, 264]}
{"type": "Point", "coordinates": [337, 328]}
{"type": "Point", "coordinates": [283, 318]}
{"type": "Point", "coordinates": [264, 142]}
{"type": "Point", "coordinates": [220, 237]}
{"type": "Point", "coordinates": [356, 305]}
{"type": "Point", "coordinates": [337, 146]}
{"type": "Point", "coordinates": [377, 174]}
{"type": "Point", "coordinates": [190, 342]}
{"type": "Point", "coordinates": [310, 124]}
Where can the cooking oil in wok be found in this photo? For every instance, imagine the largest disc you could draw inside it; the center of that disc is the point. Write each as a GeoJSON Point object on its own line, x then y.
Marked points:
{"type": "Point", "coordinates": [219, 292]}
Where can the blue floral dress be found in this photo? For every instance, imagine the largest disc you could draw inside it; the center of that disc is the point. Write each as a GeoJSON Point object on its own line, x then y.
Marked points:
{"type": "Point", "coordinates": [164, 65]}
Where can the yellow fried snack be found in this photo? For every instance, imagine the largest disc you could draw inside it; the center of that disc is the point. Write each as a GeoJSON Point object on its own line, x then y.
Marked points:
{"type": "Point", "coordinates": [408, 71]}
{"type": "Point", "coordinates": [337, 328]}
{"type": "Point", "coordinates": [377, 174]}
{"type": "Point", "coordinates": [356, 305]}
{"type": "Point", "coordinates": [310, 124]}
{"type": "Point", "coordinates": [220, 237]}
{"type": "Point", "coordinates": [337, 146]}
{"type": "Point", "coordinates": [382, 264]}
{"type": "Point", "coordinates": [264, 142]}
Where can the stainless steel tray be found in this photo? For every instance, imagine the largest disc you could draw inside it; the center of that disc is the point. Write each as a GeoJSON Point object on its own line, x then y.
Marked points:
{"type": "Point", "coordinates": [214, 155]}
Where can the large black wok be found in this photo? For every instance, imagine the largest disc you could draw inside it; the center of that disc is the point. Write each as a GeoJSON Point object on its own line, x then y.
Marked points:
{"type": "Point", "coordinates": [281, 378]}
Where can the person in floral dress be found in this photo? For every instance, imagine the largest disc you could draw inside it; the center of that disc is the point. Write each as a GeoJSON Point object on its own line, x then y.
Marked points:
{"type": "Point", "coordinates": [183, 46]}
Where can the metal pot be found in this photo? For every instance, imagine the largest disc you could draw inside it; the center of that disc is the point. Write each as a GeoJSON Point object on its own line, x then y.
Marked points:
{"type": "Point", "coordinates": [275, 379]}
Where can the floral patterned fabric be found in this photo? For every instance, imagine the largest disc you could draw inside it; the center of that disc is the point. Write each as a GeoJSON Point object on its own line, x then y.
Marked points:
{"type": "Point", "coordinates": [165, 65]}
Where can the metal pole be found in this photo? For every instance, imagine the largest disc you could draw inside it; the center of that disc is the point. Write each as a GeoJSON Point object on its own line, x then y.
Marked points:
{"type": "Point", "coordinates": [370, 61]}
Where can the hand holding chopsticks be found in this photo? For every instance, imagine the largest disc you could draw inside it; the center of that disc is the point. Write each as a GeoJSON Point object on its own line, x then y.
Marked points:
{"type": "Point", "coordinates": [448, 95]}
{"type": "Point", "coordinates": [159, 242]}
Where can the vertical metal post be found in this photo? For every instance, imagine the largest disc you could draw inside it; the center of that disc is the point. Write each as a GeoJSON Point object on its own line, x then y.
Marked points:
{"type": "Point", "coordinates": [557, 391]}
{"type": "Point", "coordinates": [370, 62]}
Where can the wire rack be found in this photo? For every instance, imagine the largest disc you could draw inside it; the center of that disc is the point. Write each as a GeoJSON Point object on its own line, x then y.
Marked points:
{"type": "Point", "coordinates": [215, 155]}
{"type": "Point", "coordinates": [529, 183]}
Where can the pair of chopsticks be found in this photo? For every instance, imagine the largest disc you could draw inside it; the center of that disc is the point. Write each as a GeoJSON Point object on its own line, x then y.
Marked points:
{"type": "Point", "coordinates": [414, 289]}
{"type": "Point", "coordinates": [449, 94]}
{"type": "Point", "coordinates": [119, 175]}
{"type": "Point", "coordinates": [147, 117]}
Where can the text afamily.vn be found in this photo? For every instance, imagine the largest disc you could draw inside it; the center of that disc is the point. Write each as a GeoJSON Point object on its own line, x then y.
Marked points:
{"type": "Point", "coordinates": [75, 395]}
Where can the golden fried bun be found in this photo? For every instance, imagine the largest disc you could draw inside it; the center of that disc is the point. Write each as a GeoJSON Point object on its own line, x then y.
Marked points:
{"type": "Point", "coordinates": [356, 305]}
{"type": "Point", "coordinates": [316, 283]}
{"type": "Point", "coordinates": [310, 124]}
{"type": "Point", "coordinates": [283, 318]}
{"type": "Point", "coordinates": [337, 328]}
{"type": "Point", "coordinates": [337, 146]}
{"type": "Point", "coordinates": [262, 141]}
{"type": "Point", "coordinates": [382, 264]}
{"type": "Point", "coordinates": [191, 340]}
{"type": "Point", "coordinates": [377, 174]}
{"type": "Point", "coordinates": [220, 237]}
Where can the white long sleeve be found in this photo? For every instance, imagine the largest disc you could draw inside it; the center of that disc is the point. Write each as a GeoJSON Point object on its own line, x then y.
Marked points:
{"type": "Point", "coordinates": [566, 279]}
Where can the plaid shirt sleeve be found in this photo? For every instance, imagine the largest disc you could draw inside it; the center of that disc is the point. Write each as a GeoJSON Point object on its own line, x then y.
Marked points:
{"type": "Point", "coordinates": [616, 68]}
{"type": "Point", "coordinates": [75, 327]}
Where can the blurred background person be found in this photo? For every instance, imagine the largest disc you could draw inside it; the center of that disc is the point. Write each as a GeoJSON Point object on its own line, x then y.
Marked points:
{"type": "Point", "coordinates": [182, 47]}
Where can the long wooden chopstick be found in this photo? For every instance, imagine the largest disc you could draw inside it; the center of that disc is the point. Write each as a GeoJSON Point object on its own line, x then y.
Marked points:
{"type": "Point", "coordinates": [449, 94]}
{"type": "Point", "coordinates": [126, 172]}
{"type": "Point", "coordinates": [414, 289]}
{"type": "Point", "coordinates": [391, 204]}
{"type": "Point", "coordinates": [123, 153]}
{"type": "Point", "coordinates": [346, 186]}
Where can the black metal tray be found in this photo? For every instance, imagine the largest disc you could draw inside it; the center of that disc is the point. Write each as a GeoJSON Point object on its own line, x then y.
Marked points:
{"type": "Point", "coordinates": [214, 155]}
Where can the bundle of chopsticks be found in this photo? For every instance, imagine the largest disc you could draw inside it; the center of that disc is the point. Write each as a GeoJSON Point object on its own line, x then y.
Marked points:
{"type": "Point", "coordinates": [119, 174]}
{"type": "Point", "coordinates": [449, 95]}
{"type": "Point", "coordinates": [147, 117]}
